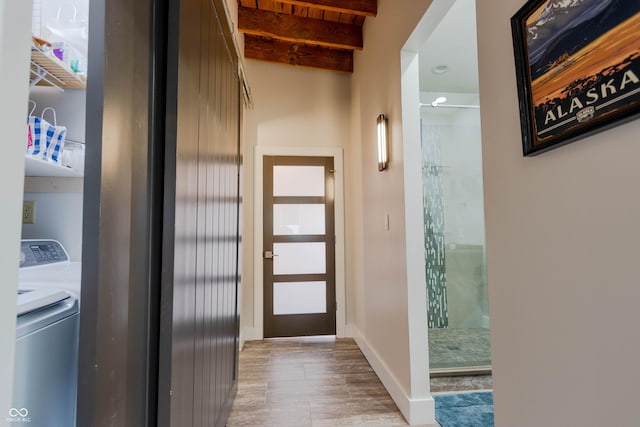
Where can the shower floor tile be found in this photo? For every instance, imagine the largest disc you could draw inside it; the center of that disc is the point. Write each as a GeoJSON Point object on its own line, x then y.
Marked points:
{"type": "Point", "coordinates": [461, 383]}
{"type": "Point", "coordinates": [459, 348]}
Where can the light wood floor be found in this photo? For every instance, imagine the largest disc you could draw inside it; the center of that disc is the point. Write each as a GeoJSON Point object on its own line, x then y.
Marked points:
{"type": "Point", "coordinates": [310, 382]}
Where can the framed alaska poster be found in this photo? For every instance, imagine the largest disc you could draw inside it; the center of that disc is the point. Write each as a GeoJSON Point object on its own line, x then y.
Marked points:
{"type": "Point", "coordinates": [577, 67]}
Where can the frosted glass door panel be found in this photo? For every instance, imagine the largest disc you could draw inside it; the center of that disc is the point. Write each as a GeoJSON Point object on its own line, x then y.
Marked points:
{"type": "Point", "coordinates": [298, 219]}
{"type": "Point", "coordinates": [292, 181]}
{"type": "Point", "coordinates": [299, 258]}
{"type": "Point", "coordinates": [299, 298]}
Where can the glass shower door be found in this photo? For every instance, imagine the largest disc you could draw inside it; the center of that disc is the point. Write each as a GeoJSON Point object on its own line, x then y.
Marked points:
{"type": "Point", "coordinates": [458, 313]}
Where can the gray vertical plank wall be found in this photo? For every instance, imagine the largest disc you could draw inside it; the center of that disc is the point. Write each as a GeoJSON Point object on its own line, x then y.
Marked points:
{"type": "Point", "coordinates": [199, 318]}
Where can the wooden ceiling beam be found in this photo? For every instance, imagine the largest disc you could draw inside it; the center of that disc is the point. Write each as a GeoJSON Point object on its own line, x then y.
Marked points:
{"type": "Point", "coordinates": [298, 54]}
{"type": "Point", "coordinates": [353, 7]}
{"type": "Point", "coordinates": [297, 29]}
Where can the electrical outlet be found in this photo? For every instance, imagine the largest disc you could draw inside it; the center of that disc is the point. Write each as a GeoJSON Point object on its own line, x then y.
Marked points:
{"type": "Point", "coordinates": [29, 212]}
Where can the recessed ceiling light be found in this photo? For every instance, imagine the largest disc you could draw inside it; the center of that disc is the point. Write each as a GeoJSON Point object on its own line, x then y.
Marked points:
{"type": "Point", "coordinates": [440, 69]}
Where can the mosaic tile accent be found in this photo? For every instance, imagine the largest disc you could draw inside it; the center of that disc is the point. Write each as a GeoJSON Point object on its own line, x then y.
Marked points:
{"type": "Point", "coordinates": [438, 315]}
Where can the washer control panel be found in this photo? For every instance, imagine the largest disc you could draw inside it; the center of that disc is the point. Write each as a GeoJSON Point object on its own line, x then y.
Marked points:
{"type": "Point", "coordinates": [41, 252]}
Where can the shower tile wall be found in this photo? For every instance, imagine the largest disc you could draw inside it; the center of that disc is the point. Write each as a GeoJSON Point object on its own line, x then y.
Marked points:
{"type": "Point", "coordinates": [454, 238]}
{"type": "Point", "coordinates": [466, 285]}
{"type": "Point", "coordinates": [438, 315]}
{"type": "Point", "coordinates": [453, 218]}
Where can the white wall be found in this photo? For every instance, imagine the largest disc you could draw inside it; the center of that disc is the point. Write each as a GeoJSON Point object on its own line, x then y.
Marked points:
{"type": "Point", "coordinates": [382, 316]}
{"type": "Point", "coordinates": [15, 18]}
{"type": "Point", "coordinates": [562, 254]}
{"type": "Point", "coordinates": [297, 108]}
{"type": "Point", "coordinates": [59, 217]}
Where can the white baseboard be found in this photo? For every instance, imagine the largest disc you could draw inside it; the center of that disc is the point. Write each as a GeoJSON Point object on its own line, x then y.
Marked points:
{"type": "Point", "coordinates": [415, 410]}
{"type": "Point", "coordinates": [246, 334]}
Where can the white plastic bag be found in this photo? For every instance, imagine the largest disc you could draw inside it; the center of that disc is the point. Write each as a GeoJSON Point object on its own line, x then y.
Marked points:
{"type": "Point", "coordinates": [73, 156]}
{"type": "Point", "coordinates": [69, 34]}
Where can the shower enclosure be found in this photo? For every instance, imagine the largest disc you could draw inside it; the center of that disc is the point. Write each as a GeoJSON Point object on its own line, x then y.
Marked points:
{"type": "Point", "coordinates": [458, 314]}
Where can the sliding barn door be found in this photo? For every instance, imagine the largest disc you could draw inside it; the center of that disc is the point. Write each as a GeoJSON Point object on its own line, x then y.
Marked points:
{"type": "Point", "coordinates": [199, 319]}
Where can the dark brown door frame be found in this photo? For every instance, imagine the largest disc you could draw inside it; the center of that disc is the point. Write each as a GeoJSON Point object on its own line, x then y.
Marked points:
{"type": "Point", "coordinates": [299, 324]}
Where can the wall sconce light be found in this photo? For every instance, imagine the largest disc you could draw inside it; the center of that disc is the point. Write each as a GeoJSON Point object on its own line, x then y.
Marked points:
{"type": "Point", "coordinates": [383, 149]}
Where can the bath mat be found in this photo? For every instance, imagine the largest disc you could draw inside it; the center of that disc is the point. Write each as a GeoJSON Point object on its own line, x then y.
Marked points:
{"type": "Point", "coordinates": [465, 409]}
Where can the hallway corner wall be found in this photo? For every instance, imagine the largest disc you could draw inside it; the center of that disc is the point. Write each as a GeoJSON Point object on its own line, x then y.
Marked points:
{"type": "Point", "coordinates": [296, 109]}
{"type": "Point", "coordinates": [382, 312]}
{"type": "Point", "coordinates": [562, 255]}
{"type": "Point", "coordinates": [354, 206]}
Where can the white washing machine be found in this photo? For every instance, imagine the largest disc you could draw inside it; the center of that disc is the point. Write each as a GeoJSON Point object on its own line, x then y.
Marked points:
{"type": "Point", "coordinates": [46, 264]}
{"type": "Point", "coordinates": [46, 362]}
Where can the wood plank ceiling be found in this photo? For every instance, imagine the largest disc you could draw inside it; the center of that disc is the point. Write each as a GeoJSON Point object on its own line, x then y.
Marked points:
{"type": "Point", "coordinates": [307, 33]}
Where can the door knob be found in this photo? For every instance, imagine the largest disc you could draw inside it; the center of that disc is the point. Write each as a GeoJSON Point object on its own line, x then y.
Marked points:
{"type": "Point", "coordinates": [269, 254]}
